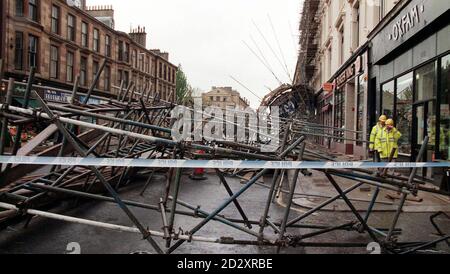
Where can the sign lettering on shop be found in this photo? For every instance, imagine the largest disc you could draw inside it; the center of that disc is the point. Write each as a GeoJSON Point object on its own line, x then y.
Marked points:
{"type": "Point", "coordinates": [406, 22]}
{"type": "Point", "coordinates": [351, 71]}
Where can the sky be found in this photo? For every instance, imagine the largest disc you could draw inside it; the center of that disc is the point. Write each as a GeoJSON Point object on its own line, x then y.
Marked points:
{"type": "Point", "coordinates": [208, 39]}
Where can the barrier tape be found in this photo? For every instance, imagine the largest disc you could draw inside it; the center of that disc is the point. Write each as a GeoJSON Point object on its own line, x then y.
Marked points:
{"type": "Point", "coordinates": [210, 164]}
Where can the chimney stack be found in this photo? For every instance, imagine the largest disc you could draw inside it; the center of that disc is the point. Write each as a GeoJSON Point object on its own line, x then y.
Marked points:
{"type": "Point", "coordinates": [139, 35]}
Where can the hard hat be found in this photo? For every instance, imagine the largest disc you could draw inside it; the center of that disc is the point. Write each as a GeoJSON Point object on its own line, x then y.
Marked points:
{"type": "Point", "coordinates": [390, 122]}
{"type": "Point", "coordinates": [383, 118]}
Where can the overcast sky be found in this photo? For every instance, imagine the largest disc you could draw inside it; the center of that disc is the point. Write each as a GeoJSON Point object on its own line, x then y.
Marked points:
{"type": "Point", "coordinates": [206, 38]}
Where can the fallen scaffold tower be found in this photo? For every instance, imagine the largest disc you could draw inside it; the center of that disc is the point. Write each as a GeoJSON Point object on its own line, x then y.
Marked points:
{"type": "Point", "coordinates": [106, 145]}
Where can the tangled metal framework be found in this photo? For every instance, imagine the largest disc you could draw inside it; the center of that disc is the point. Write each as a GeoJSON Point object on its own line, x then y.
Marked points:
{"type": "Point", "coordinates": [137, 125]}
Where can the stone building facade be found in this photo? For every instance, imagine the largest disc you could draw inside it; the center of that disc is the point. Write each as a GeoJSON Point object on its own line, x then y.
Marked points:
{"type": "Point", "coordinates": [336, 66]}
{"type": "Point", "coordinates": [63, 39]}
{"type": "Point", "coordinates": [224, 97]}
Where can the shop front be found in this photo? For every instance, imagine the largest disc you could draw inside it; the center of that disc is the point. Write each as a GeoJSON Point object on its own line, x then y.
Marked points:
{"type": "Point", "coordinates": [342, 107]}
{"type": "Point", "coordinates": [410, 58]}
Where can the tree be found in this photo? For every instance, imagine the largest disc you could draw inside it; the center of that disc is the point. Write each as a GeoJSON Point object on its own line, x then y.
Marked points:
{"type": "Point", "coordinates": [184, 90]}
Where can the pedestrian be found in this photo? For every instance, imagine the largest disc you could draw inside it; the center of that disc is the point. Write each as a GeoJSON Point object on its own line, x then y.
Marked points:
{"type": "Point", "coordinates": [375, 130]}
{"type": "Point", "coordinates": [386, 141]}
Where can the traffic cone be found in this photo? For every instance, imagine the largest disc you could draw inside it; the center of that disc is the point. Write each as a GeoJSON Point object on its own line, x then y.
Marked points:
{"type": "Point", "coordinates": [199, 173]}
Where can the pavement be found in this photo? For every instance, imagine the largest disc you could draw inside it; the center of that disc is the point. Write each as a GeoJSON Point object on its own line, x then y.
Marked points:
{"type": "Point", "coordinates": [44, 236]}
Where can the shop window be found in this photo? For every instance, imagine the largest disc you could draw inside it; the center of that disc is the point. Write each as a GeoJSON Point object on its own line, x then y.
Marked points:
{"type": "Point", "coordinates": [388, 99]}
{"type": "Point", "coordinates": [339, 119]}
{"type": "Point", "coordinates": [360, 106]}
{"type": "Point", "coordinates": [426, 82]}
{"type": "Point", "coordinates": [444, 138]}
{"type": "Point", "coordinates": [404, 113]}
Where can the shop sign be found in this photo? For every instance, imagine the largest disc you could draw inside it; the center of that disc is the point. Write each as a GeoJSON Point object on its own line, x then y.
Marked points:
{"type": "Point", "coordinates": [57, 96]}
{"type": "Point", "coordinates": [406, 22]}
{"type": "Point", "coordinates": [351, 71]}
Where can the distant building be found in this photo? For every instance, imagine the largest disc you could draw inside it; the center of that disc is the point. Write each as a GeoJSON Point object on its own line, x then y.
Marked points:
{"type": "Point", "coordinates": [66, 38]}
{"type": "Point", "coordinates": [224, 97]}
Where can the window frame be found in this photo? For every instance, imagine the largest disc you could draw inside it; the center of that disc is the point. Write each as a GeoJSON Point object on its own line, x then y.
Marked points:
{"type": "Point", "coordinates": [70, 65]}
{"type": "Point", "coordinates": [71, 29]}
{"type": "Point", "coordinates": [55, 16]}
{"type": "Point", "coordinates": [96, 40]}
{"type": "Point", "coordinates": [34, 53]}
{"type": "Point", "coordinates": [83, 70]}
{"type": "Point", "coordinates": [108, 45]}
{"type": "Point", "coordinates": [84, 34]}
{"type": "Point", "coordinates": [19, 51]}
{"type": "Point", "coordinates": [19, 12]}
{"type": "Point", "coordinates": [33, 10]}
{"type": "Point", "coordinates": [54, 62]}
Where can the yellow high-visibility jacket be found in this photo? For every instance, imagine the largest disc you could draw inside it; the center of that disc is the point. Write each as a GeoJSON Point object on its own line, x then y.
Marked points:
{"type": "Point", "coordinates": [373, 136]}
{"type": "Point", "coordinates": [386, 141]}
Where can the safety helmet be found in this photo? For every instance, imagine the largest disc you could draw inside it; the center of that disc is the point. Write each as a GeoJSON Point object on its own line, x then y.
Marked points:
{"type": "Point", "coordinates": [383, 118]}
{"type": "Point", "coordinates": [390, 122]}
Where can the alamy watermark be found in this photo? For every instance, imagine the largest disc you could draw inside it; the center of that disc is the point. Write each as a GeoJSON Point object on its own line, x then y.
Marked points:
{"type": "Point", "coordinates": [229, 124]}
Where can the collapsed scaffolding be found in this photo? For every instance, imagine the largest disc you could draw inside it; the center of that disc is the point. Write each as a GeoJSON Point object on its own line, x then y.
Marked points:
{"type": "Point", "coordinates": [137, 125]}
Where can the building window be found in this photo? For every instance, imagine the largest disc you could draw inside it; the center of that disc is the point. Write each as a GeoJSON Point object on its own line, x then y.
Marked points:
{"type": "Point", "coordinates": [18, 51]}
{"type": "Point", "coordinates": [426, 82]}
{"type": "Point", "coordinates": [55, 19]}
{"type": "Point", "coordinates": [126, 78]}
{"type": "Point", "coordinates": [83, 71]}
{"type": "Point", "coordinates": [341, 46]}
{"type": "Point", "coordinates": [119, 77]}
{"type": "Point", "coordinates": [20, 8]}
{"type": "Point", "coordinates": [127, 53]}
{"type": "Point", "coordinates": [147, 64]}
{"type": "Point", "coordinates": [134, 58]}
{"type": "Point", "coordinates": [388, 99]}
{"type": "Point", "coordinates": [33, 57]}
{"type": "Point", "coordinates": [95, 68]}
{"type": "Point", "coordinates": [165, 72]}
{"type": "Point", "coordinates": [329, 60]}
{"type": "Point", "coordinates": [96, 40]}
{"type": "Point", "coordinates": [107, 79]}
{"type": "Point", "coordinates": [33, 10]}
{"type": "Point", "coordinates": [108, 45]}
{"type": "Point", "coordinates": [54, 62]}
{"type": "Point", "coordinates": [121, 50]}
{"type": "Point", "coordinates": [444, 132]}
{"type": "Point", "coordinates": [84, 35]}
{"type": "Point", "coordinates": [160, 70]}
{"type": "Point", "coordinates": [70, 68]}
{"type": "Point", "coordinates": [357, 25]}
{"type": "Point", "coordinates": [71, 29]}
